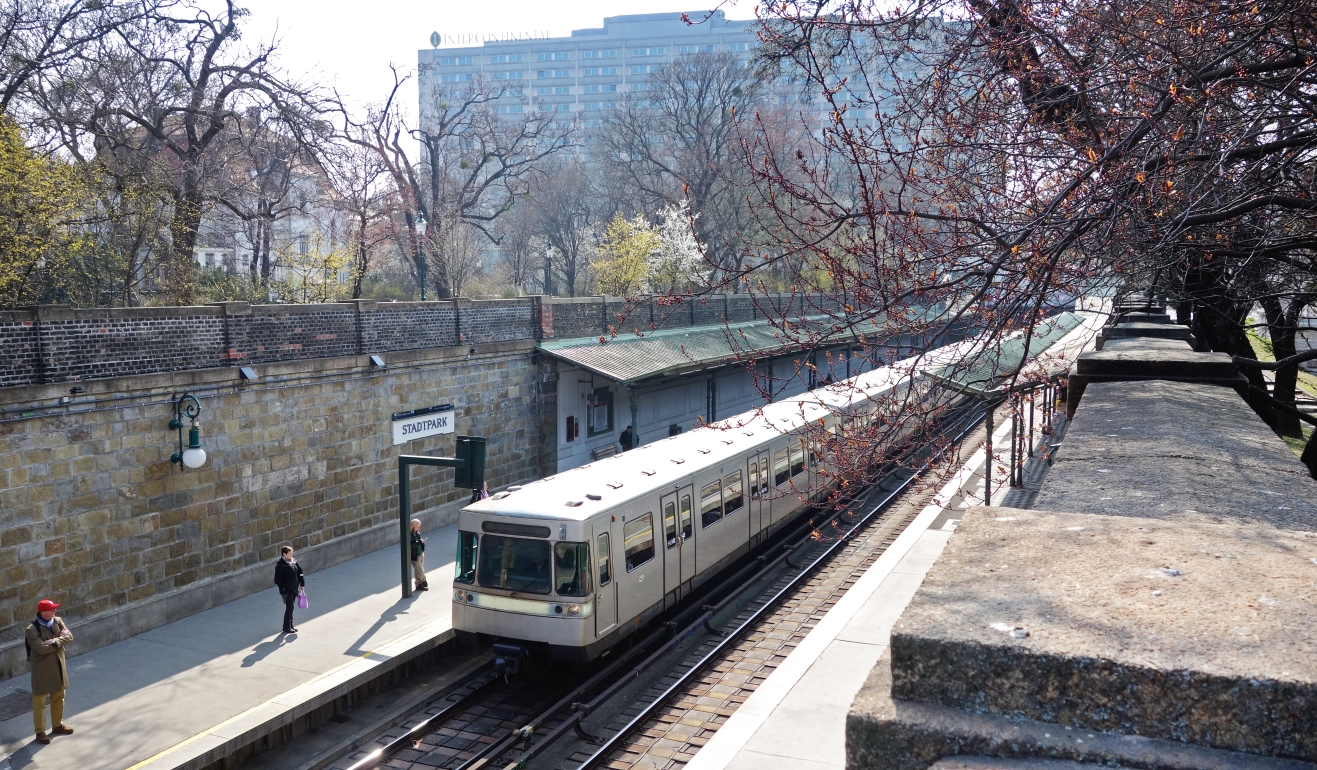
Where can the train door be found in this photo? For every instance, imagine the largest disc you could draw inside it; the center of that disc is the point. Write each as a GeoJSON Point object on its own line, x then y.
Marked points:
{"type": "Point", "coordinates": [605, 613]}
{"type": "Point", "coordinates": [671, 545]}
{"type": "Point", "coordinates": [686, 532]}
{"type": "Point", "coordinates": [639, 574]}
{"type": "Point", "coordinates": [756, 482]}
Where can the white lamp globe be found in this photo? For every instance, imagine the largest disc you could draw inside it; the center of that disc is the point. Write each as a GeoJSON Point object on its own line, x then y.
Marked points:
{"type": "Point", "coordinates": [194, 457]}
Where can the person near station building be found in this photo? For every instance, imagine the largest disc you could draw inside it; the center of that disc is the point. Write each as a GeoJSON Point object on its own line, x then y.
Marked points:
{"type": "Point", "coordinates": [625, 439]}
{"type": "Point", "coordinates": [288, 576]}
{"type": "Point", "coordinates": [418, 557]}
{"type": "Point", "coordinates": [46, 639]}
{"type": "Point", "coordinates": [480, 494]}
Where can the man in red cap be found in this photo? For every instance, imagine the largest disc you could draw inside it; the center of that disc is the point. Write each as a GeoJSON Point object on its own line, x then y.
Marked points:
{"type": "Point", "coordinates": [46, 639]}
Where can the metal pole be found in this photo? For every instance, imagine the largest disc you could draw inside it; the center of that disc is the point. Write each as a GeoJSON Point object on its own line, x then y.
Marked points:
{"type": "Point", "coordinates": [987, 472]}
{"type": "Point", "coordinates": [405, 524]}
{"type": "Point", "coordinates": [1032, 393]}
{"type": "Point", "coordinates": [420, 250]}
{"type": "Point", "coordinates": [1015, 438]}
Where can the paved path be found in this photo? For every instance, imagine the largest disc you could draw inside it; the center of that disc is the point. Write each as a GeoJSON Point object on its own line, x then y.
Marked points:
{"type": "Point", "coordinates": [178, 684]}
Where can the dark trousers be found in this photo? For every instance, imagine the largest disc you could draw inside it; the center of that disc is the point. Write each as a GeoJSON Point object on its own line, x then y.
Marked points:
{"type": "Point", "coordinates": [289, 601]}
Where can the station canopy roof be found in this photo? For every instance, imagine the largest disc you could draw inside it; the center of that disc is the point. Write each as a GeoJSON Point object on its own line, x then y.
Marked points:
{"type": "Point", "coordinates": [990, 368]}
{"type": "Point", "coordinates": [630, 358]}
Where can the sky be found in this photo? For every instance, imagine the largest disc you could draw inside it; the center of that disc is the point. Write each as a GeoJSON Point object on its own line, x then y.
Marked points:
{"type": "Point", "coordinates": [349, 45]}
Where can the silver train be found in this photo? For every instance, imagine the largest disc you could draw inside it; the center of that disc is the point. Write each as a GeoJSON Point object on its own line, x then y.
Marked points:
{"type": "Point", "coordinates": [579, 560]}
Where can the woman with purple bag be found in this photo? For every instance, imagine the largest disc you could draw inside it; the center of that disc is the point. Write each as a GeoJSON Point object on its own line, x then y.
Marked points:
{"type": "Point", "coordinates": [288, 576]}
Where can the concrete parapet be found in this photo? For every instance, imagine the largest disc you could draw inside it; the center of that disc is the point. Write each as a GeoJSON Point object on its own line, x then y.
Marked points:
{"type": "Point", "coordinates": [1143, 358]}
{"type": "Point", "coordinates": [1180, 630]}
{"type": "Point", "coordinates": [1162, 449]}
{"type": "Point", "coordinates": [1140, 643]}
{"type": "Point", "coordinates": [883, 733]}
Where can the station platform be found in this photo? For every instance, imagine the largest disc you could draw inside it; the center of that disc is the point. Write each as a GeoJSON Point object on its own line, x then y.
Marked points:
{"type": "Point", "coordinates": [796, 719]}
{"type": "Point", "coordinates": [192, 692]}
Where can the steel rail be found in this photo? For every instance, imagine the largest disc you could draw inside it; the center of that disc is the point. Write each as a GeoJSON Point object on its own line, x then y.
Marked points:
{"type": "Point", "coordinates": [410, 737]}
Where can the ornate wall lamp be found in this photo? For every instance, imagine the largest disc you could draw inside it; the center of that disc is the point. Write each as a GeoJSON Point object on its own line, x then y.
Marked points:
{"type": "Point", "coordinates": [192, 456]}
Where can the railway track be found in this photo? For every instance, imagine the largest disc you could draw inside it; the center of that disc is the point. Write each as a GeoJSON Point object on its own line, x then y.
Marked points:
{"type": "Point", "coordinates": [657, 702]}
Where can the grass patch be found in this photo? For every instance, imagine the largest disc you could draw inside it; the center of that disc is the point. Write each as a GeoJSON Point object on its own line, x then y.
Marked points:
{"type": "Point", "coordinates": [1262, 349]}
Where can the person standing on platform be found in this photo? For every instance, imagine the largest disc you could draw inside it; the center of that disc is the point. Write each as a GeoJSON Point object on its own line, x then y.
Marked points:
{"type": "Point", "coordinates": [46, 639]}
{"type": "Point", "coordinates": [418, 557]}
{"type": "Point", "coordinates": [480, 494]}
{"type": "Point", "coordinates": [288, 576]}
{"type": "Point", "coordinates": [625, 439]}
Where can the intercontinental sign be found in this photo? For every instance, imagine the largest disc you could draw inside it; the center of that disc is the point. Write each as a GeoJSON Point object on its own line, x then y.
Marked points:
{"type": "Point", "coordinates": [476, 38]}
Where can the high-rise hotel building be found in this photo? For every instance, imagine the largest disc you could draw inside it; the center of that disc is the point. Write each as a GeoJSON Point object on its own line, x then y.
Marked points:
{"type": "Point", "coordinates": [588, 73]}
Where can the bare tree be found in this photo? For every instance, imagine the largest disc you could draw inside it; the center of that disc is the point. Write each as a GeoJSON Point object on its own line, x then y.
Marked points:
{"type": "Point", "coordinates": [474, 164]}
{"type": "Point", "coordinates": [567, 215]}
{"type": "Point", "coordinates": [677, 143]}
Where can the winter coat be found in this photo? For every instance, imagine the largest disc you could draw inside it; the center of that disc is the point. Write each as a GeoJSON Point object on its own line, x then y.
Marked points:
{"type": "Point", "coordinates": [287, 576]}
{"type": "Point", "coordinates": [418, 546]}
{"type": "Point", "coordinates": [50, 674]}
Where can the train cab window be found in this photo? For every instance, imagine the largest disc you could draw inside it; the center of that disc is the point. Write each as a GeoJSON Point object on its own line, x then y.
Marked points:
{"type": "Point", "coordinates": [781, 467]}
{"type": "Point", "coordinates": [515, 564]}
{"type": "Point", "coordinates": [465, 569]}
{"type": "Point", "coordinates": [571, 569]}
{"type": "Point", "coordinates": [638, 541]}
{"type": "Point", "coordinates": [797, 460]}
{"type": "Point", "coordinates": [732, 497]}
{"type": "Point", "coordinates": [670, 522]}
{"type": "Point", "coordinates": [687, 525]}
{"type": "Point", "coordinates": [711, 504]}
{"type": "Point", "coordinates": [754, 479]}
{"type": "Point", "coordinates": [605, 561]}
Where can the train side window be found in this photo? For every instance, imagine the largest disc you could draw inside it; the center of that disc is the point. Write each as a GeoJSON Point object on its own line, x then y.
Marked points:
{"type": "Point", "coordinates": [687, 525]}
{"type": "Point", "coordinates": [605, 561]}
{"type": "Point", "coordinates": [638, 541]}
{"type": "Point", "coordinates": [711, 504]}
{"type": "Point", "coordinates": [781, 467]}
{"type": "Point", "coordinates": [670, 522]}
{"type": "Point", "coordinates": [815, 448]}
{"type": "Point", "coordinates": [467, 545]}
{"type": "Point", "coordinates": [732, 497]}
{"type": "Point", "coordinates": [797, 460]}
{"type": "Point", "coordinates": [754, 479]}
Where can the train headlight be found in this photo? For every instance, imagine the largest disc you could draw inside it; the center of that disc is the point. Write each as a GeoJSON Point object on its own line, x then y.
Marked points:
{"type": "Point", "coordinates": [459, 595]}
{"type": "Point", "coordinates": [573, 610]}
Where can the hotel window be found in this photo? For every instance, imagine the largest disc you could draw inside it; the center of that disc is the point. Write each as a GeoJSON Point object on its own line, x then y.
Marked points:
{"type": "Point", "coordinates": [563, 108]}
{"type": "Point", "coordinates": [509, 75]}
{"type": "Point", "coordinates": [559, 56]}
{"type": "Point", "coordinates": [737, 47]}
{"type": "Point", "coordinates": [696, 49]}
{"type": "Point", "coordinates": [456, 61]}
{"type": "Point", "coordinates": [600, 54]}
{"type": "Point", "coordinates": [553, 73]}
{"type": "Point", "coordinates": [600, 89]}
{"type": "Point", "coordinates": [646, 69]}
{"type": "Point", "coordinates": [600, 71]}
{"type": "Point", "coordinates": [462, 78]}
{"type": "Point", "coordinates": [505, 58]}
{"type": "Point", "coordinates": [503, 109]}
{"type": "Point", "coordinates": [646, 51]}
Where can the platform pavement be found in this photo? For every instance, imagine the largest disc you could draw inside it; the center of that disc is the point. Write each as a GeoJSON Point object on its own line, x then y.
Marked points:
{"type": "Point", "coordinates": [169, 696]}
{"type": "Point", "coordinates": [796, 719]}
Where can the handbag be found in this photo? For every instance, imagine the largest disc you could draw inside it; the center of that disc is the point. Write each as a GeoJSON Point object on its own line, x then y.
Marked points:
{"type": "Point", "coordinates": [302, 602]}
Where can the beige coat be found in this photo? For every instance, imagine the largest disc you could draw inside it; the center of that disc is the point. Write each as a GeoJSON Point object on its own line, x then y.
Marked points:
{"type": "Point", "coordinates": [50, 674]}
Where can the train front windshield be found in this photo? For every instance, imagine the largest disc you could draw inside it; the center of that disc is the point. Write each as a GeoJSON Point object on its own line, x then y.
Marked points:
{"type": "Point", "coordinates": [515, 564]}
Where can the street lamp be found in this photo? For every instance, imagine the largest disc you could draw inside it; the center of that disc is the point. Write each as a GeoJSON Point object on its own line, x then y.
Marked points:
{"type": "Point", "coordinates": [420, 249]}
{"type": "Point", "coordinates": [193, 456]}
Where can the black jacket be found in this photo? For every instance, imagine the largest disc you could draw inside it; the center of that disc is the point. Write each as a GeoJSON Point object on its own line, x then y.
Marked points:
{"type": "Point", "coordinates": [418, 546]}
{"type": "Point", "coordinates": [288, 576]}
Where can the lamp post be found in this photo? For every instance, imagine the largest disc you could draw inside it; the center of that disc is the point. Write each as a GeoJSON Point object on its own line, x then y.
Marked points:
{"type": "Point", "coordinates": [420, 249]}
{"type": "Point", "coordinates": [192, 456]}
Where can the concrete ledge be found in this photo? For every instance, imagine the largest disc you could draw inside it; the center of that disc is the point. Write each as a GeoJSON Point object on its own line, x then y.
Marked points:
{"type": "Point", "coordinates": [995, 763]}
{"type": "Point", "coordinates": [887, 734]}
{"type": "Point", "coordinates": [125, 622]}
{"type": "Point", "coordinates": [1143, 358]}
{"type": "Point", "coordinates": [1162, 330]}
{"type": "Point", "coordinates": [1170, 449]}
{"type": "Point", "coordinates": [1219, 655]}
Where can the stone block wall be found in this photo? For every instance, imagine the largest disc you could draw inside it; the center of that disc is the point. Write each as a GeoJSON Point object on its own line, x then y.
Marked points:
{"type": "Point", "coordinates": [94, 515]}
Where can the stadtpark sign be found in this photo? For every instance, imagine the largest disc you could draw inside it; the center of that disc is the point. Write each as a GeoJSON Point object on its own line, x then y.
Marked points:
{"type": "Point", "coordinates": [421, 423]}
